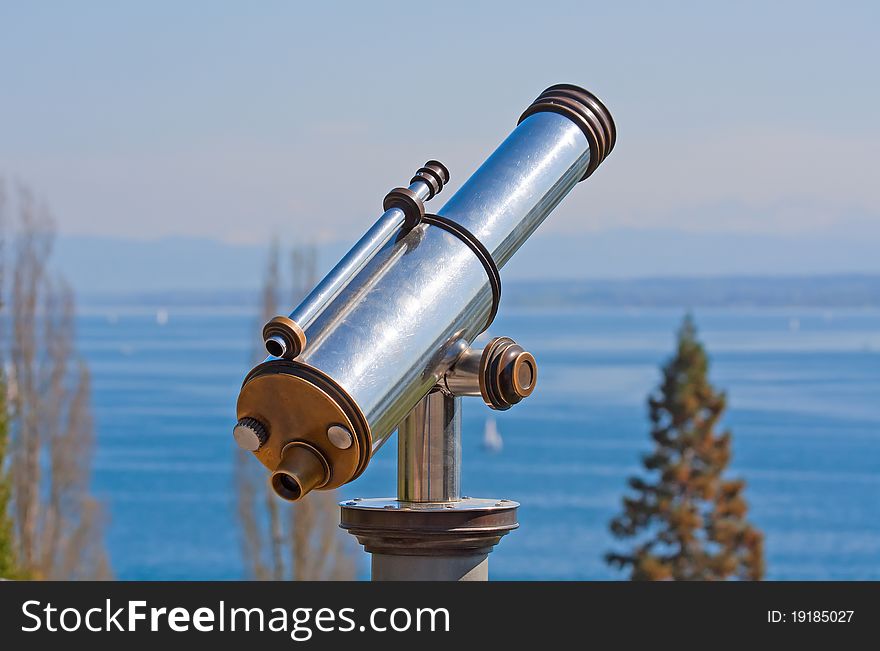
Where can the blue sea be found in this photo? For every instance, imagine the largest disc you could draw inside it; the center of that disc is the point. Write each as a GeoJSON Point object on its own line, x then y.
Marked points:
{"type": "Point", "coordinates": [804, 408]}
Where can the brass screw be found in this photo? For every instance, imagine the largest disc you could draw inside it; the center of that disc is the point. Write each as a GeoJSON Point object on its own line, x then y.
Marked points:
{"type": "Point", "coordinates": [340, 437]}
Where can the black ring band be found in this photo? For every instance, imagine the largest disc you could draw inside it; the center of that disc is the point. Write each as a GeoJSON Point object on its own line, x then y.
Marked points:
{"type": "Point", "coordinates": [434, 174]}
{"type": "Point", "coordinates": [482, 254]}
{"type": "Point", "coordinates": [586, 111]}
{"type": "Point", "coordinates": [407, 201]}
{"type": "Point", "coordinates": [431, 178]}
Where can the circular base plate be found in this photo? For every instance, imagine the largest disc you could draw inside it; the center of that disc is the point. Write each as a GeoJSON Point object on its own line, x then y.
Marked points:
{"type": "Point", "coordinates": [464, 504]}
{"type": "Point", "coordinates": [389, 526]}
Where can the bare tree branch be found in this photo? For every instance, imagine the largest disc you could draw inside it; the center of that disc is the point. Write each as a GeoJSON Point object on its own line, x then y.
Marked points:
{"type": "Point", "coordinates": [58, 524]}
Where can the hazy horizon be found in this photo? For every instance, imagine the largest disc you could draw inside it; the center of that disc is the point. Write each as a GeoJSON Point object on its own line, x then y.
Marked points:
{"type": "Point", "coordinates": [117, 265]}
{"type": "Point", "coordinates": [745, 146]}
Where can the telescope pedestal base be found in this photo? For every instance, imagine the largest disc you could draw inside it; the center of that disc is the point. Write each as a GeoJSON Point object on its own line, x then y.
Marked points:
{"type": "Point", "coordinates": [412, 541]}
{"type": "Point", "coordinates": [430, 568]}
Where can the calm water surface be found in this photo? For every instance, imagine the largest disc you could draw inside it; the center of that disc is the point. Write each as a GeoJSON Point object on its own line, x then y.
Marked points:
{"type": "Point", "coordinates": [804, 406]}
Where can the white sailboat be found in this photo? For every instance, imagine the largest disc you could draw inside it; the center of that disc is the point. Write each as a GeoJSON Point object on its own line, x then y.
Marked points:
{"type": "Point", "coordinates": [492, 437]}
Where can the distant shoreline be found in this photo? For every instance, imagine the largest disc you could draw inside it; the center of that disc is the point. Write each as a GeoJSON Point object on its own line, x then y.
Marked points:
{"type": "Point", "coordinates": [825, 291]}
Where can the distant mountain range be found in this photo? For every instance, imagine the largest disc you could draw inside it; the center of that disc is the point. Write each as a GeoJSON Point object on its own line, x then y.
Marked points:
{"type": "Point", "coordinates": [755, 291]}
{"type": "Point", "coordinates": [838, 291]}
{"type": "Point", "coordinates": [638, 268]}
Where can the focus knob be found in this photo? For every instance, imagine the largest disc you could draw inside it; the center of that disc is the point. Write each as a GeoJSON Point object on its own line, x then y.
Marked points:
{"type": "Point", "coordinates": [250, 434]}
{"type": "Point", "coordinates": [509, 373]}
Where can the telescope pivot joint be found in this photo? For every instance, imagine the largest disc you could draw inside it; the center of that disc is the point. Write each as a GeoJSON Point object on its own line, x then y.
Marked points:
{"type": "Point", "coordinates": [502, 373]}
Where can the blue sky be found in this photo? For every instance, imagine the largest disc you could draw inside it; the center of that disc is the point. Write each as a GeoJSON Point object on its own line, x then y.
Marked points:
{"type": "Point", "coordinates": [231, 121]}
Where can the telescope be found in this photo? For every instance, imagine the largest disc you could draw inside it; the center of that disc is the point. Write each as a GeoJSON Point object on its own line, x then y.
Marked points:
{"type": "Point", "coordinates": [385, 342]}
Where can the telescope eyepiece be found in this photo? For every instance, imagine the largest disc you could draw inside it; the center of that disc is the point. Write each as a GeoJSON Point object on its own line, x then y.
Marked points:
{"type": "Point", "coordinates": [284, 337]}
{"type": "Point", "coordinates": [302, 469]}
{"type": "Point", "coordinates": [290, 486]}
{"type": "Point", "coordinates": [276, 346]}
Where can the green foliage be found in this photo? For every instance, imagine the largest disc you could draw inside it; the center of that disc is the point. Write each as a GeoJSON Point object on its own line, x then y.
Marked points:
{"type": "Point", "coordinates": [8, 568]}
{"type": "Point", "coordinates": [686, 521]}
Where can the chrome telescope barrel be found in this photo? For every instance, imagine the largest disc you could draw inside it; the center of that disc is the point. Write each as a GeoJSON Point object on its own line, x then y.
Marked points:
{"type": "Point", "coordinates": [404, 207]}
{"type": "Point", "coordinates": [383, 230]}
{"type": "Point", "coordinates": [394, 321]}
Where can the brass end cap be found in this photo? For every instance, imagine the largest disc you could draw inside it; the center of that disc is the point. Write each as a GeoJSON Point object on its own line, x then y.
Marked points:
{"type": "Point", "coordinates": [508, 373]}
{"type": "Point", "coordinates": [284, 338]}
{"type": "Point", "coordinates": [302, 469]}
{"type": "Point", "coordinates": [523, 374]}
{"type": "Point", "coordinates": [300, 407]}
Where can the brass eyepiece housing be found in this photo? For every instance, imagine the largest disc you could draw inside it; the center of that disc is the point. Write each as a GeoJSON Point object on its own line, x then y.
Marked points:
{"type": "Point", "coordinates": [302, 469]}
{"type": "Point", "coordinates": [315, 435]}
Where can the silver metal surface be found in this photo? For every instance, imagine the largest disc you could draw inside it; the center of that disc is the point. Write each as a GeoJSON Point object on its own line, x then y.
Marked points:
{"type": "Point", "coordinates": [399, 325]}
{"type": "Point", "coordinates": [388, 334]}
{"type": "Point", "coordinates": [386, 567]}
{"type": "Point", "coordinates": [353, 261]}
{"type": "Point", "coordinates": [463, 379]}
{"type": "Point", "coordinates": [509, 196]}
{"type": "Point", "coordinates": [429, 451]}
{"type": "Point", "coordinates": [464, 504]}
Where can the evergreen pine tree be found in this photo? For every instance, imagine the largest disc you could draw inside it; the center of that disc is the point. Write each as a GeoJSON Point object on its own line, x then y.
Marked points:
{"type": "Point", "coordinates": [686, 521]}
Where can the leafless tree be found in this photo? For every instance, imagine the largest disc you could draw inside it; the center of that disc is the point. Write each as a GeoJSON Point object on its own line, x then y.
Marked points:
{"type": "Point", "coordinates": [58, 522]}
{"type": "Point", "coordinates": [282, 541]}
